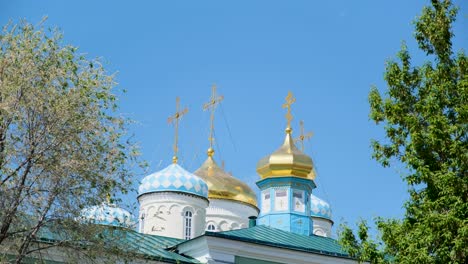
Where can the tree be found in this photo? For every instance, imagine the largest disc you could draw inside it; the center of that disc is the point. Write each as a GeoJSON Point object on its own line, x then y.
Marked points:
{"type": "Point", "coordinates": [362, 248]}
{"type": "Point", "coordinates": [62, 142]}
{"type": "Point", "coordinates": [425, 114]}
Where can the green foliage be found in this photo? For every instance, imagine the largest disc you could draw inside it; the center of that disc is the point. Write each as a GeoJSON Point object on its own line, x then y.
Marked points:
{"type": "Point", "coordinates": [62, 144]}
{"type": "Point", "coordinates": [363, 248]}
{"type": "Point", "coordinates": [425, 114]}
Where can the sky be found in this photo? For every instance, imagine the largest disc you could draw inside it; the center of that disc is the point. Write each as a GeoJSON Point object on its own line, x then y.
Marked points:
{"type": "Point", "coordinates": [327, 53]}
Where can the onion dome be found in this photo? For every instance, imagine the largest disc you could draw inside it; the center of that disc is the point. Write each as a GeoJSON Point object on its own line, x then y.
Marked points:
{"type": "Point", "coordinates": [222, 185]}
{"type": "Point", "coordinates": [312, 174]}
{"type": "Point", "coordinates": [108, 214]}
{"type": "Point", "coordinates": [288, 160]}
{"type": "Point", "coordinates": [319, 208]}
{"type": "Point", "coordinates": [173, 179]}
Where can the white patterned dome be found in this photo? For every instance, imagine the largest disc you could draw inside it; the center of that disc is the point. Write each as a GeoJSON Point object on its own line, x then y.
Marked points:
{"type": "Point", "coordinates": [108, 214]}
{"type": "Point", "coordinates": [173, 179]}
{"type": "Point", "coordinates": [319, 208]}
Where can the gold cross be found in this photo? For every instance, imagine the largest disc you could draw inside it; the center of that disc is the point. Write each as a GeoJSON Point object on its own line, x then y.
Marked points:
{"type": "Point", "coordinates": [211, 105]}
{"type": "Point", "coordinates": [175, 120]}
{"type": "Point", "coordinates": [289, 101]}
{"type": "Point", "coordinates": [303, 136]}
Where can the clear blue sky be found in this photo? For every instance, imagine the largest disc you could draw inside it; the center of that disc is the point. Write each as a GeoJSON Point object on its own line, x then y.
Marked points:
{"type": "Point", "coordinates": [328, 53]}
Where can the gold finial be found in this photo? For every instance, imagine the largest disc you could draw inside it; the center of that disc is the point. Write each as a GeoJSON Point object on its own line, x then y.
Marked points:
{"type": "Point", "coordinates": [210, 152]}
{"type": "Point", "coordinates": [175, 119]}
{"type": "Point", "coordinates": [303, 136]}
{"type": "Point", "coordinates": [211, 105]}
{"type": "Point", "coordinates": [289, 101]}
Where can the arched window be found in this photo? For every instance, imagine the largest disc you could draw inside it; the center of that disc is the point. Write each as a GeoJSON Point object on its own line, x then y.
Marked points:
{"type": "Point", "coordinates": [266, 201]}
{"type": "Point", "coordinates": [211, 228]}
{"type": "Point", "coordinates": [188, 225]}
{"type": "Point", "coordinates": [319, 232]}
{"type": "Point", "coordinates": [142, 223]}
{"type": "Point", "coordinates": [234, 226]}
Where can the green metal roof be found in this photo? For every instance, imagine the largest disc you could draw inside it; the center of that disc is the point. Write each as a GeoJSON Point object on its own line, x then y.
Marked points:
{"type": "Point", "coordinates": [148, 246]}
{"type": "Point", "coordinates": [9, 258]}
{"type": "Point", "coordinates": [151, 246]}
{"type": "Point", "coordinates": [273, 237]}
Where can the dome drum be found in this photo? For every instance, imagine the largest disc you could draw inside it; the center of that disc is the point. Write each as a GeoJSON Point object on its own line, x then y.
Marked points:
{"type": "Point", "coordinates": [173, 203]}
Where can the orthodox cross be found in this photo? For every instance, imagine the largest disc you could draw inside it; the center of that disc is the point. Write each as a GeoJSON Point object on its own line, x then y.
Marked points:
{"type": "Point", "coordinates": [175, 120]}
{"type": "Point", "coordinates": [289, 101]}
{"type": "Point", "coordinates": [303, 135]}
{"type": "Point", "coordinates": [211, 105]}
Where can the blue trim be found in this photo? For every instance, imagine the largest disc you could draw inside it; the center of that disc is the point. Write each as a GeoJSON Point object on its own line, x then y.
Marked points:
{"type": "Point", "coordinates": [289, 219]}
{"type": "Point", "coordinates": [286, 181]}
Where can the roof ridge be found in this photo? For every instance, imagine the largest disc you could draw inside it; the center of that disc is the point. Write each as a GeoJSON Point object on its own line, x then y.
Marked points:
{"type": "Point", "coordinates": [275, 237]}
{"type": "Point", "coordinates": [276, 230]}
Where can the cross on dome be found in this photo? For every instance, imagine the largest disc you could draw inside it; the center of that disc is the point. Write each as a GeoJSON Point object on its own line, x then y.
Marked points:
{"type": "Point", "coordinates": [175, 120]}
{"type": "Point", "coordinates": [287, 160]}
{"type": "Point", "coordinates": [290, 99]}
{"type": "Point", "coordinates": [211, 105]}
{"type": "Point", "coordinates": [303, 136]}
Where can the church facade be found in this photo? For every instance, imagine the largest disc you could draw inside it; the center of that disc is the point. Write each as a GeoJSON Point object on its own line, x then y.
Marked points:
{"type": "Point", "coordinates": [216, 213]}
{"type": "Point", "coordinates": [210, 216]}
{"type": "Point", "coordinates": [180, 204]}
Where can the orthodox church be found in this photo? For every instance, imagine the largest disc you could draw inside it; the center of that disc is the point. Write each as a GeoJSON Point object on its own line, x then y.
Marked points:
{"type": "Point", "coordinates": [210, 216]}
{"type": "Point", "coordinates": [177, 203]}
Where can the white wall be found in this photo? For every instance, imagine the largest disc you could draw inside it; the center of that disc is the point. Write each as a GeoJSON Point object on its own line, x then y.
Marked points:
{"type": "Point", "coordinates": [322, 226]}
{"type": "Point", "coordinates": [228, 214]}
{"type": "Point", "coordinates": [163, 214]}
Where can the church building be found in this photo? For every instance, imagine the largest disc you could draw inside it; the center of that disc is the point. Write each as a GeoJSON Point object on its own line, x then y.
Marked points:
{"type": "Point", "coordinates": [210, 216]}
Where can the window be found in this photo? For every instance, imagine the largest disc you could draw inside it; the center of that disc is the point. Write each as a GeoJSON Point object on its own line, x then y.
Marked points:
{"type": "Point", "coordinates": [266, 201]}
{"type": "Point", "coordinates": [319, 232]}
{"type": "Point", "coordinates": [281, 200]}
{"type": "Point", "coordinates": [211, 228]}
{"type": "Point", "coordinates": [188, 225]}
{"type": "Point", "coordinates": [298, 201]}
{"type": "Point", "coordinates": [142, 223]}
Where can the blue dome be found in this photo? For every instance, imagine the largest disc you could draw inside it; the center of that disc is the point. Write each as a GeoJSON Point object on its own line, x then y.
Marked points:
{"type": "Point", "coordinates": [173, 179]}
{"type": "Point", "coordinates": [319, 208]}
{"type": "Point", "coordinates": [108, 214]}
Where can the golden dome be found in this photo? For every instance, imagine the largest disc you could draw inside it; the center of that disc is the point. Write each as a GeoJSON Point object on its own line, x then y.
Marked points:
{"type": "Point", "coordinates": [222, 185]}
{"type": "Point", "coordinates": [312, 174]}
{"type": "Point", "coordinates": [288, 160]}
